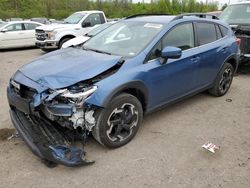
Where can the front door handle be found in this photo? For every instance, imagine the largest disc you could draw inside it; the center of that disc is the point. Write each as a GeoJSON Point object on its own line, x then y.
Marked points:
{"type": "Point", "coordinates": [195, 59]}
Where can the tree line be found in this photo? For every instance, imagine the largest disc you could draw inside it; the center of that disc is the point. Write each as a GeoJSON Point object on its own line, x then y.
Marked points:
{"type": "Point", "coordinates": [60, 9]}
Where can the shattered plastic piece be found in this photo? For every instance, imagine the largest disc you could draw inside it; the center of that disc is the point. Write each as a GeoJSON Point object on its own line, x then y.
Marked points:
{"type": "Point", "coordinates": [210, 147]}
{"type": "Point", "coordinates": [15, 135]}
{"type": "Point", "coordinates": [70, 155]}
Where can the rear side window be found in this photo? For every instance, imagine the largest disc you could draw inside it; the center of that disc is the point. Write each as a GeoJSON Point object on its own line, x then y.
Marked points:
{"type": "Point", "coordinates": [206, 33]}
{"type": "Point", "coordinates": [224, 30]}
{"type": "Point", "coordinates": [30, 26]}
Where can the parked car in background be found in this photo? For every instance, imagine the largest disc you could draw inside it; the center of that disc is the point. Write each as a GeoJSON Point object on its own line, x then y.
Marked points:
{"type": "Point", "coordinates": [18, 34]}
{"type": "Point", "coordinates": [1, 21]}
{"type": "Point", "coordinates": [41, 20]}
{"type": "Point", "coordinates": [78, 41]}
{"type": "Point", "coordinates": [54, 21]}
{"type": "Point", "coordinates": [54, 35]}
{"type": "Point", "coordinates": [238, 16]}
{"type": "Point", "coordinates": [215, 13]}
{"type": "Point", "coordinates": [132, 68]}
{"type": "Point", "coordinates": [14, 19]}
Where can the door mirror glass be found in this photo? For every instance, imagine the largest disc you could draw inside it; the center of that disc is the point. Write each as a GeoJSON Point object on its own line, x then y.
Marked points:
{"type": "Point", "coordinates": [170, 52]}
{"type": "Point", "coordinates": [86, 24]}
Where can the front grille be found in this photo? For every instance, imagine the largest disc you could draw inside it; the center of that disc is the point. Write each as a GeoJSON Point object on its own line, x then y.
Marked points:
{"type": "Point", "coordinates": [41, 35]}
{"type": "Point", "coordinates": [245, 44]}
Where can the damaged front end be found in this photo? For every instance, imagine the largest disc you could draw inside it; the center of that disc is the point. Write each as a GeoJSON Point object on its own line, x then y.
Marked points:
{"type": "Point", "coordinates": [50, 122]}
{"type": "Point", "coordinates": [48, 105]}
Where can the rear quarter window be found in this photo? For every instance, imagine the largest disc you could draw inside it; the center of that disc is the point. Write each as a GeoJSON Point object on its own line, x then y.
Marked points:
{"type": "Point", "coordinates": [219, 34]}
{"type": "Point", "coordinates": [224, 30]}
{"type": "Point", "coordinates": [206, 33]}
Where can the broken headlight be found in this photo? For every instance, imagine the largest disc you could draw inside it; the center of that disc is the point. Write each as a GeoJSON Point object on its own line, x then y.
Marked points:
{"type": "Point", "coordinates": [78, 95]}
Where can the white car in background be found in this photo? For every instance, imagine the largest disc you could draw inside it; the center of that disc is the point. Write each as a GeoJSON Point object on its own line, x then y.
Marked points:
{"type": "Point", "coordinates": [18, 34]}
{"type": "Point", "coordinates": [77, 41]}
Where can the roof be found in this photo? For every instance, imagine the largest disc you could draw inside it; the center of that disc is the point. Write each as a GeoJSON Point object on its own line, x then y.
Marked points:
{"type": "Point", "coordinates": [163, 19]}
{"type": "Point", "coordinates": [23, 21]}
{"type": "Point", "coordinates": [89, 11]}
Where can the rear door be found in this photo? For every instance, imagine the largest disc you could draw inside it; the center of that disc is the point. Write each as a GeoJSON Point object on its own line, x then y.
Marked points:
{"type": "Point", "coordinates": [14, 36]}
{"type": "Point", "coordinates": [29, 33]}
{"type": "Point", "coordinates": [212, 52]}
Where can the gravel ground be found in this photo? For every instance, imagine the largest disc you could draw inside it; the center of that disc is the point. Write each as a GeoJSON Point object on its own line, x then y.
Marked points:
{"type": "Point", "coordinates": [165, 153]}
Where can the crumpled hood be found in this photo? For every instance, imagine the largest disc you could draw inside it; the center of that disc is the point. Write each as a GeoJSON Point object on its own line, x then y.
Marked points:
{"type": "Point", "coordinates": [66, 67]}
{"type": "Point", "coordinates": [52, 27]}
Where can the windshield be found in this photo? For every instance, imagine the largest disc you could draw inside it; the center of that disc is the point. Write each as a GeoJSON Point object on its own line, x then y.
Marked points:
{"type": "Point", "coordinates": [74, 18]}
{"type": "Point", "coordinates": [236, 14]}
{"type": "Point", "coordinates": [2, 24]}
{"type": "Point", "coordinates": [98, 29]}
{"type": "Point", "coordinates": [126, 39]}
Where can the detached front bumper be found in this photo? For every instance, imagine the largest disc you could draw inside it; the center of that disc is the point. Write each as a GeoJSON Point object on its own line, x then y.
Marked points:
{"type": "Point", "coordinates": [48, 44]}
{"type": "Point", "coordinates": [47, 140]}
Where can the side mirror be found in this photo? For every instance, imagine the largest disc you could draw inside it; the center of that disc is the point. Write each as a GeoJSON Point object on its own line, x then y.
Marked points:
{"type": "Point", "coordinates": [4, 30]}
{"type": "Point", "coordinates": [170, 52]}
{"type": "Point", "coordinates": [86, 24]}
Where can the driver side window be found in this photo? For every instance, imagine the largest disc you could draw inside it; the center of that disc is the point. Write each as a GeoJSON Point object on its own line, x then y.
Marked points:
{"type": "Point", "coordinates": [93, 19]}
{"type": "Point", "coordinates": [182, 36]}
{"type": "Point", "coordinates": [14, 27]}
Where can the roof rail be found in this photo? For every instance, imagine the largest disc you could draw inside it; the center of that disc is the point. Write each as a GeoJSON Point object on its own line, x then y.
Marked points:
{"type": "Point", "coordinates": [139, 15]}
{"type": "Point", "coordinates": [199, 15]}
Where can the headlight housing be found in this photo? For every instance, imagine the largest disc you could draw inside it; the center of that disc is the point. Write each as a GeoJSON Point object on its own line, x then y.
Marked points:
{"type": "Point", "coordinates": [79, 96]}
{"type": "Point", "coordinates": [51, 35]}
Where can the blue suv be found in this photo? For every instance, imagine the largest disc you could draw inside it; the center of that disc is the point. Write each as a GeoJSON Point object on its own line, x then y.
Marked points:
{"type": "Point", "coordinates": [132, 68]}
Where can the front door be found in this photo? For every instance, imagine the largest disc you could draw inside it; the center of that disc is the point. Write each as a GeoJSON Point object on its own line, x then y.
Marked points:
{"type": "Point", "coordinates": [175, 78]}
{"type": "Point", "coordinates": [13, 36]}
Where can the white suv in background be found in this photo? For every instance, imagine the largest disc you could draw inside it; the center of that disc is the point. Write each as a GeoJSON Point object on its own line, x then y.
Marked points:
{"type": "Point", "coordinates": [18, 34]}
{"type": "Point", "coordinates": [53, 36]}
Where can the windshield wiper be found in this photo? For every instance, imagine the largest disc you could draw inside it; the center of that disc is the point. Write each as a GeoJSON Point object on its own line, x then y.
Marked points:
{"type": "Point", "coordinates": [98, 51]}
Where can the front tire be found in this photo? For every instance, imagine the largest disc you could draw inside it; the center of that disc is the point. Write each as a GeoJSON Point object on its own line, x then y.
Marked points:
{"type": "Point", "coordinates": [223, 81]}
{"type": "Point", "coordinates": [119, 122]}
{"type": "Point", "coordinates": [62, 42]}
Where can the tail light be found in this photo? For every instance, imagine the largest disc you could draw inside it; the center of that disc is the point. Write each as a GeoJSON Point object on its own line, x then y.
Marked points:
{"type": "Point", "coordinates": [238, 41]}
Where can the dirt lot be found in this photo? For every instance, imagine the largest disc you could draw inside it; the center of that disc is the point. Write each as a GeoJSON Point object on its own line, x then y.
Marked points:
{"type": "Point", "coordinates": [165, 153]}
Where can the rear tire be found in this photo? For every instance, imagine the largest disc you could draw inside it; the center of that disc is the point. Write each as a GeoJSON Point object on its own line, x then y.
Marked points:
{"type": "Point", "coordinates": [223, 81]}
{"type": "Point", "coordinates": [119, 122]}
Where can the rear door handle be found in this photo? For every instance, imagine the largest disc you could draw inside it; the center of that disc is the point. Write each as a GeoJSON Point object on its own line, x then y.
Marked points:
{"type": "Point", "coordinates": [195, 59]}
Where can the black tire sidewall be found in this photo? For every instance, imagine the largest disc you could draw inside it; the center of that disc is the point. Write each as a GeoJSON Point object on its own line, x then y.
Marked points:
{"type": "Point", "coordinates": [62, 42]}
{"type": "Point", "coordinates": [101, 125]}
{"type": "Point", "coordinates": [217, 85]}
